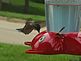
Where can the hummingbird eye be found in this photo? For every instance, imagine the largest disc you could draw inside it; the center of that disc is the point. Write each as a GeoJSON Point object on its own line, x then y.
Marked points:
{"type": "Point", "coordinates": [42, 38]}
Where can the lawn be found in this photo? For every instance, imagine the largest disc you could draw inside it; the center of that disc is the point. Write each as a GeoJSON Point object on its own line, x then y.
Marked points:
{"type": "Point", "coordinates": [10, 52]}
{"type": "Point", "coordinates": [21, 16]}
{"type": "Point", "coordinates": [16, 10]}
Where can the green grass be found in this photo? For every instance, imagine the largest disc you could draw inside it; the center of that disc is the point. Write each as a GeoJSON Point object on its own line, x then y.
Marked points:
{"type": "Point", "coordinates": [15, 10]}
{"type": "Point", "coordinates": [10, 52]}
{"type": "Point", "coordinates": [21, 16]}
{"type": "Point", "coordinates": [36, 8]}
{"type": "Point", "coordinates": [17, 2]}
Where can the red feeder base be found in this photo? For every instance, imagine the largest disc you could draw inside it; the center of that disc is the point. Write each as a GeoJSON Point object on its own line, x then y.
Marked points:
{"type": "Point", "coordinates": [54, 43]}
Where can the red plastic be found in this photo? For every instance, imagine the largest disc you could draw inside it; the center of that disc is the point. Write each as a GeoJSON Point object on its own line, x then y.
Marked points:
{"type": "Point", "coordinates": [52, 43]}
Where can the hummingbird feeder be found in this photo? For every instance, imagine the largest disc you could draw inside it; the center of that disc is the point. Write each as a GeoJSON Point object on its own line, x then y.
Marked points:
{"type": "Point", "coordinates": [62, 35]}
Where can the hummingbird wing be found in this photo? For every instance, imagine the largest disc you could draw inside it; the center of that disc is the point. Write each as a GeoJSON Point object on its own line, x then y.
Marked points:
{"type": "Point", "coordinates": [26, 29]}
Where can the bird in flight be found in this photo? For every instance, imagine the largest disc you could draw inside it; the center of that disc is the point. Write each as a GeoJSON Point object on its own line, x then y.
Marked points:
{"type": "Point", "coordinates": [29, 26]}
